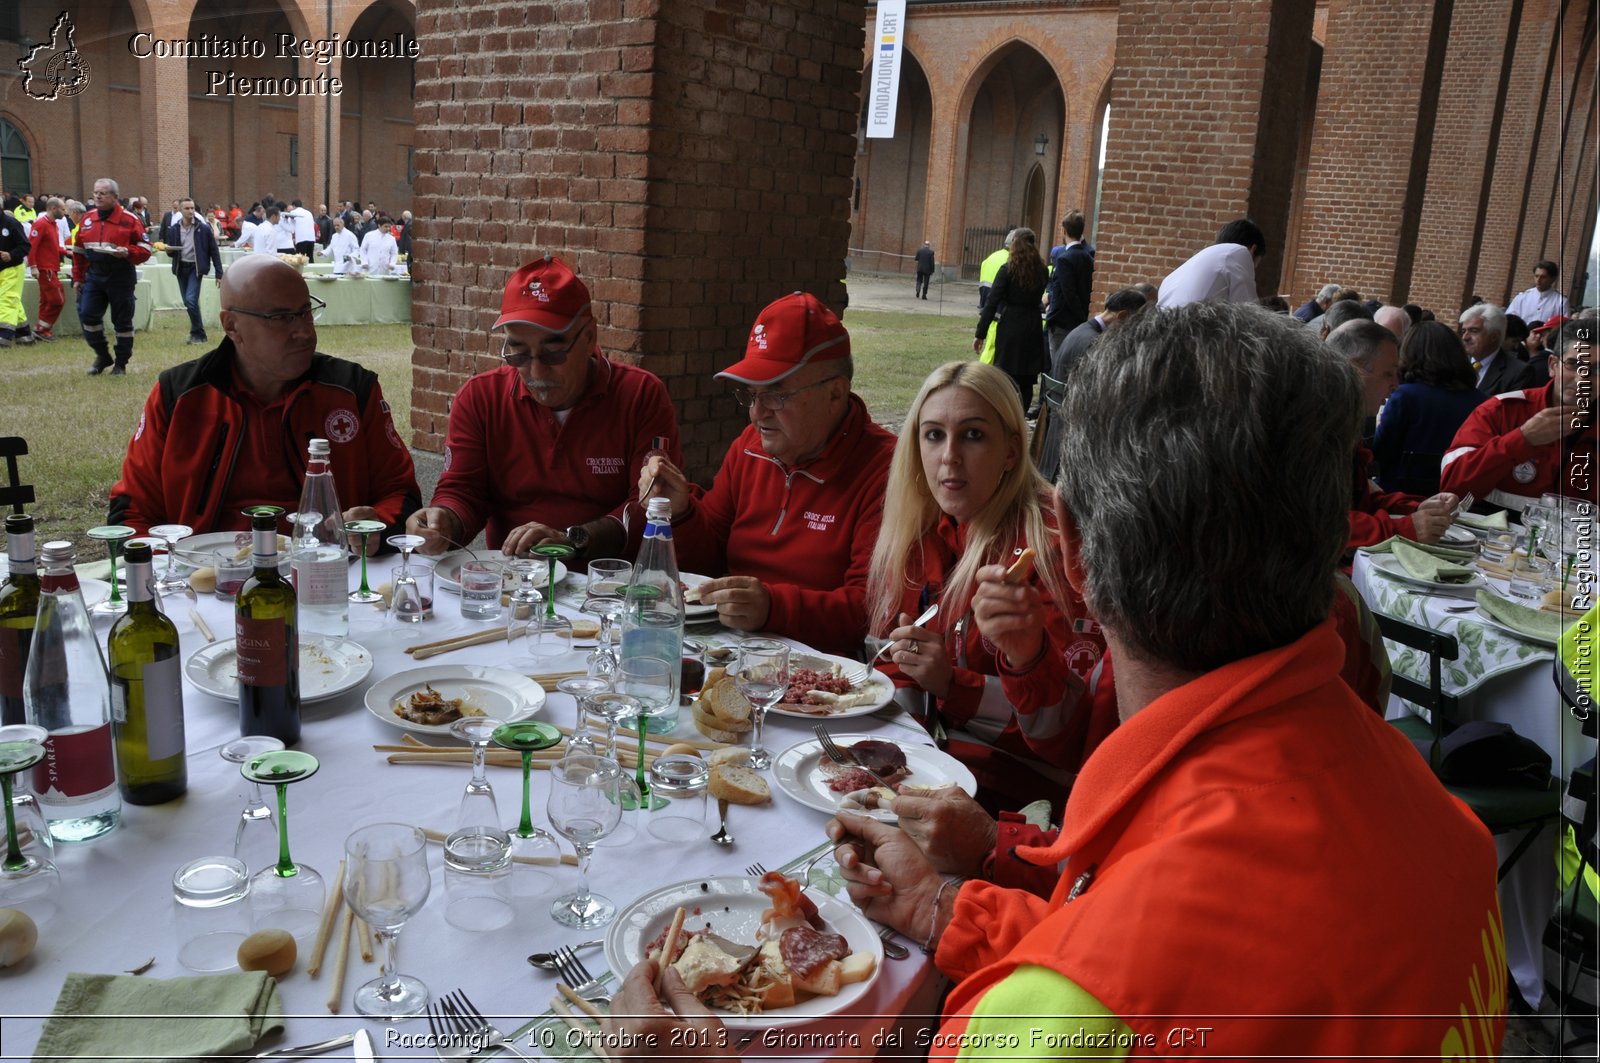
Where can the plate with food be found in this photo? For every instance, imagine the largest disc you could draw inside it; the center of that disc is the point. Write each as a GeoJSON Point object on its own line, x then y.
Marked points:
{"type": "Point", "coordinates": [1393, 568]}
{"type": "Point", "coordinates": [821, 684]}
{"type": "Point", "coordinates": [447, 570]}
{"type": "Point", "coordinates": [806, 774]}
{"type": "Point", "coordinates": [1455, 535]}
{"type": "Point", "coordinates": [760, 952]}
{"type": "Point", "coordinates": [694, 610]}
{"type": "Point", "coordinates": [428, 700]}
{"type": "Point", "coordinates": [328, 668]}
{"type": "Point", "coordinates": [198, 551]}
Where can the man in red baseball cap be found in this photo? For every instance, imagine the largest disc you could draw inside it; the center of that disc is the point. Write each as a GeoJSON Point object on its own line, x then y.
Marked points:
{"type": "Point", "coordinates": [540, 450]}
{"type": "Point", "coordinates": [793, 514]}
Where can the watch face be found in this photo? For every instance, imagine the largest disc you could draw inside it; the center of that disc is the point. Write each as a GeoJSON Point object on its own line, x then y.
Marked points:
{"type": "Point", "coordinates": [578, 536]}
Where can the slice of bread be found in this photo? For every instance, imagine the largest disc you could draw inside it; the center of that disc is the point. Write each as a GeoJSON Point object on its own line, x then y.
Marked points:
{"type": "Point", "coordinates": [705, 719]}
{"type": "Point", "coordinates": [585, 629]}
{"type": "Point", "coordinates": [738, 784]}
{"type": "Point", "coordinates": [725, 706]}
{"type": "Point", "coordinates": [739, 755]}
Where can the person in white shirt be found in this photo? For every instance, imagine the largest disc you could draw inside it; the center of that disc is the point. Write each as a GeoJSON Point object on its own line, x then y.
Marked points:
{"type": "Point", "coordinates": [285, 227]}
{"type": "Point", "coordinates": [304, 228]}
{"type": "Point", "coordinates": [1225, 271]}
{"type": "Point", "coordinates": [342, 247]}
{"type": "Point", "coordinates": [378, 249]}
{"type": "Point", "coordinates": [1541, 302]}
{"type": "Point", "coordinates": [261, 238]}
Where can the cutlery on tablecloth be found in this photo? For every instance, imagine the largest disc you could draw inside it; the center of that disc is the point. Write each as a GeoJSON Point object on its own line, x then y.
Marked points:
{"type": "Point", "coordinates": [308, 1050]}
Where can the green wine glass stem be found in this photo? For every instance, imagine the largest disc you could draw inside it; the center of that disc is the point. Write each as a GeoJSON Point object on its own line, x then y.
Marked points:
{"type": "Point", "coordinates": [14, 860]}
{"type": "Point", "coordinates": [550, 598]}
{"type": "Point", "coordinates": [525, 828]}
{"type": "Point", "coordinates": [364, 588]}
{"type": "Point", "coordinates": [638, 775]}
{"type": "Point", "coordinates": [285, 868]}
{"type": "Point", "coordinates": [111, 549]}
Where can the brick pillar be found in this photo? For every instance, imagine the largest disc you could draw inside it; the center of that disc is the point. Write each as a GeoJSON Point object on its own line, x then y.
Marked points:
{"type": "Point", "coordinates": [691, 158]}
{"type": "Point", "coordinates": [946, 184]}
{"type": "Point", "coordinates": [163, 105]}
{"type": "Point", "coordinates": [1573, 235]}
{"type": "Point", "coordinates": [1369, 146]}
{"type": "Point", "coordinates": [1562, 60]}
{"type": "Point", "coordinates": [1199, 134]}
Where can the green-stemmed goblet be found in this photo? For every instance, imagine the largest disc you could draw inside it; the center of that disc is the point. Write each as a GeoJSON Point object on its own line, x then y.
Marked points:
{"type": "Point", "coordinates": [286, 896]}
{"type": "Point", "coordinates": [26, 881]}
{"type": "Point", "coordinates": [112, 535]}
{"type": "Point", "coordinates": [529, 879]}
{"type": "Point", "coordinates": [366, 595]}
{"type": "Point", "coordinates": [552, 552]}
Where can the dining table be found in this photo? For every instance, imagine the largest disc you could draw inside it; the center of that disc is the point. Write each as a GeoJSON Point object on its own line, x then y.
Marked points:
{"type": "Point", "coordinates": [114, 911]}
{"type": "Point", "coordinates": [1502, 677]}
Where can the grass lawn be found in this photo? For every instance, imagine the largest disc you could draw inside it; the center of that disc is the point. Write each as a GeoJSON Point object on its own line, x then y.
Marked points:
{"type": "Point", "coordinates": [77, 426]}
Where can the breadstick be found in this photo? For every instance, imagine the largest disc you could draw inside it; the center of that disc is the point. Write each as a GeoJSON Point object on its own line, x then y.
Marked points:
{"type": "Point", "coordinates": [670, 945]}
{"type": "Point", "coordinates": [1021, 568]}
{"type": "Point", "coordinates": [591, 1039]}
{"type": "Point", "coordinates": [588, 1009]}
{"type": "Point", "coordinates": [330, 912]}
{"type": "Point", "coordinates": [364, 935]}
{"type": "Point", "coordinates": [341, 962]}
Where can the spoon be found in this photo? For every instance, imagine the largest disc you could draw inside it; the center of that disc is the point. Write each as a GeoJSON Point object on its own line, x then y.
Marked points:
{"type": "Point", "coordinates": [547, 960]}
{"type": "Point", "coordinates": [722, 837]}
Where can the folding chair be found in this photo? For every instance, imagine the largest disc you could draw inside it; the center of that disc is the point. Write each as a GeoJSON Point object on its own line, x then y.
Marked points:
{"type": "Point", "coordinates": [18, 494]}
{"type": "Point", "coordinates": [1043, 446]}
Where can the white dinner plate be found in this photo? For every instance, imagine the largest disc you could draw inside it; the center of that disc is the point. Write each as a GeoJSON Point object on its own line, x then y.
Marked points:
{"type": "Point", "coordinates": [328, 668]}
{"type": "Point", "coordinates": [732, 905]}
{"type": "Point", "coordinates": [799, 772]}
{"type": "Point", "coordinates": [1484, 618]}
{"type": "Point", "coordinates": [857, 673]}
{"type": "Point", "coordinates": [1392, 568]}
{"type": "Point", "coordinates": [196, 551]}
{"type": "Point", "coordinates": [498, 692]}
{"type": "Point", "coordinates": [447, 570]}
{"type": "Point", "coordinates": [696, 612]}
{"type": "Point", "coordinates": [1456, 535]}
{"type": "Point", "coordinates": [101, 246]}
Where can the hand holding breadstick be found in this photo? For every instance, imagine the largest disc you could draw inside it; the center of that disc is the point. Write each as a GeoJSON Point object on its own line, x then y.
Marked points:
{"type": "Point", "coordinates": [1021, 568]}
{"type": "Point", "coordinates": [1010, 611]}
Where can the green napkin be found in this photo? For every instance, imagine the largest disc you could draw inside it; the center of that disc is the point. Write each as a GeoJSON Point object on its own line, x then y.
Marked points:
{"type": "Point", "coordinates": [1535, 623]}
{"type": "Point", "coordinates": [125, 1017]}
{"type": "Point", "coordinates": [1460, 554]}
{"type": "Point", "coordinates": [1492, 522]}
{"type": "Point", "coordinates": [1426, 566]}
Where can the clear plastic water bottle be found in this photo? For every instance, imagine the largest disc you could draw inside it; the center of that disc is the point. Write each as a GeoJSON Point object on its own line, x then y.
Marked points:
{"type": "Point", "coordinates": [67, 691]}
{"type": "Point", "coordinates": [320, 563]}
{"type": "Point", "coordinates": [652, 621]}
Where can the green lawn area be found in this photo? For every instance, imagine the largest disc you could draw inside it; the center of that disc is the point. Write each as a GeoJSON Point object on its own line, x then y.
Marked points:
{"type": "Point", "coordinates": [77, 426]}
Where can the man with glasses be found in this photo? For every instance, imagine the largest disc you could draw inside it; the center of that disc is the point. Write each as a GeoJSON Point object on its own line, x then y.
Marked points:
{"type": "Point", "coordinates": [229, 429]}
{"type": "Point", "coordinates": [112, 242]}
{"type": "Point", "coordinates": [794, 512]}
{"type": "Point", "coordinates": [542, 449]}
{"type": "Point", "coordinates": [1520, 445]}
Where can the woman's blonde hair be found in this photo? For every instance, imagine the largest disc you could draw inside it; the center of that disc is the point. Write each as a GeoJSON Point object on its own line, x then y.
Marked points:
{"type": "Point", "coordinates": [1013, 514]}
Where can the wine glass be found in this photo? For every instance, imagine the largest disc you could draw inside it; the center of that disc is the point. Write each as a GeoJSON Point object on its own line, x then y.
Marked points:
{"type": "Point", "coordinates": [545, 639]}
{"type": "Point", "coordinates": [255, 835]}
{"type": "Point", "coordinates": [407, 602]}
{"type": "Point", "coordinates": [533, 843]}
{"type": "Point", "coordinates": [552, 552]}
{"type": "Point", "coordinates": [478, 808]}
{"type": "Point", "coordinates": [525, 596]}
{"type": "Point", "coordinates": [112, 535]}
{"type": "Point", "coordinates": [582, 688]}
{"type": "Point", "coordinates": [170, 581]}
{"type": "Point", "coordinates": [364, 528]}
{"type": "Point", "coordinates": [286, 896]}
{"type": "Point", "coordinates": [386, 882]}
{"type": "Point", "coordinates": [26, 881]}
{"type": "Point", "coordinates": [30, 817]}
{"type": "Point", "coordinates": [603, 596]}
{"type": "Point", "coordinates": [647, 680]}
{"type": "Point", "coordinates": [585, 805]}
{"type": "Point", "coordinates": [613, 708]}
{"type": "Point", "coordinates": [763, 677]}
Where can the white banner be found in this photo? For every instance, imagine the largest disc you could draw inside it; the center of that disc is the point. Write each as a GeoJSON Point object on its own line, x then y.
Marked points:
{"type": "Point", "coordinates": [885, 89]}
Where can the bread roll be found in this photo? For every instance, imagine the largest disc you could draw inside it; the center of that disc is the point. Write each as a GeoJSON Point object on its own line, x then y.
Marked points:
{"type": "Point", "coordinates": [725, 706]}
{"type": "Point", "coordinates": [585, 629]}
{"type": "Point", "coordinates": [717, 734]}
{"type": "Point", "coordinates": [741, 785]}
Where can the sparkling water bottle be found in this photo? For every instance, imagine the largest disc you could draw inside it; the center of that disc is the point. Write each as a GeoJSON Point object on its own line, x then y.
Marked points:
{"type": "Point", "coordinates": [320, 564]}
{"type": "Point", "coordinates": [652, 621]}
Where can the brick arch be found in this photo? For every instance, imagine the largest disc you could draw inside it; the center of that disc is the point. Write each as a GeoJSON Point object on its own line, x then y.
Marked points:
{"type": "Point", "coordinates": [32, 142]}
{"type": "Point", "coordinates": [374, 127]}
{"type": "Point", "coordinates": [406, 9]}
{"type": "Point", "coordinates": [1102, 99]}
{"type": "Point", "coordinates": [888, 214]}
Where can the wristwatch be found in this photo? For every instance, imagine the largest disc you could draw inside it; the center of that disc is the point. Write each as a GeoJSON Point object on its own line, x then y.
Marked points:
{"type": "Point", "coordinates": [578, 536]}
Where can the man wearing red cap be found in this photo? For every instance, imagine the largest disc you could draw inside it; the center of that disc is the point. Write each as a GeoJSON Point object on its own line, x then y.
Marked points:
{"type": "Point", "coordinates": [793, 514]}
{"type": "Point", "coordinates": [541, 449]}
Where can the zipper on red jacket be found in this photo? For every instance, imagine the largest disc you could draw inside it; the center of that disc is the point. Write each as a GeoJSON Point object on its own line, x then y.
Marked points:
{"type": "Point", "coordinates": [211, 475]}
{"type": "Point", "coordinates": [788, 485]}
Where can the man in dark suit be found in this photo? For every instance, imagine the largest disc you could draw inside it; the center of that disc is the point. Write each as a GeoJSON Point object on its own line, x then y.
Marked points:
{"type": "Point", "coordinates": [1120, 305]}
{"type": "Point", "coordinates": [924, 269]}
{"type": "Point", "coordinates": [194, 254]}
{"type": "Point", "coordinates": [1483, 328]}
{"type": "Point", "coordinates": [1071, 278]}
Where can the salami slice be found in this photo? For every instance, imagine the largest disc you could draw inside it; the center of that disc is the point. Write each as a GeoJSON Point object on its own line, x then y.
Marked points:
{"type": "Point", "coordinates": [884, 758]}
{"type": "Point", "coordinates": [805, 951]}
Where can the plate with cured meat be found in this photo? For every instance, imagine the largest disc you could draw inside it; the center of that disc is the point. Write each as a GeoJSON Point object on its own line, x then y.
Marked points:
{"type": "Point", "coordinates": [823, 685]}
{"type": "Point", "coordinates": [804, 772]}
{"type": "Point", "coordinates": [760, 952]}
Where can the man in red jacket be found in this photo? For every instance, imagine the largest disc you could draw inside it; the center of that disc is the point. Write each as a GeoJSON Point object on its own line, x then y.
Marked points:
{"type": "Point", "coordinates": [45, 257]}
{"type": "Point", "coordinates": [793, 514]}
{"type": "Point", "coordinates": [113, 242]}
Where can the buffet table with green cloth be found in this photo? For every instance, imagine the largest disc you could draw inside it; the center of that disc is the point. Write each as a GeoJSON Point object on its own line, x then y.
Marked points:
{"type": "Point", "coordinates": [362, 300]}
{"type": "Point", "coordinates": [67, 323]}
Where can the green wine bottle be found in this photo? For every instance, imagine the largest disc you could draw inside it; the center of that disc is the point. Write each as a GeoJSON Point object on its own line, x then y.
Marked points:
{"type": "Point", "coordinates": [146, 692]}
{"type": "Point", "coordinates": [19, 607]}
{"type": "Point", "coordinates": [268, 642]}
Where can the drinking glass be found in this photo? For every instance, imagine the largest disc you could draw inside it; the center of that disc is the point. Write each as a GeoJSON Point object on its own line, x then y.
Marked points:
{"type": "Point", "coordinates": [480, 590]}
{"type": "Point", "coordinates": [762, 678]}
{"type": "Point", "coordinates": [286, 896]}
{"type": "Point", "coordinates": [255, 834]}
{"type": "Point", "coordinates": [649, 681]}
{"type": "Point", "coordinates": [552, 552]}
{"type": "Point", "coordinates": [533, 843]}
{"type": "Point", "coordinates": [613, 708]}
{"type": "Point", "coordinates": [365, 594]}
{"type": "Point", "coordinates": [170, 580]}
{"type": "Point", "coordinates": [582, 688]}
{"type": "Point", "coordinates": [386, 882]}
{"type": "Point", "coordinates": [407, 603]}
{"type": "Point", "coordinates": [27, 881]}
{"type": "Point", "coordinates": [112, 535]}
{"type": "Point", "coordinates": [603, 596]}
{"type": "Point", "coordinates": [585, 805]}
{"type": "Point", "coordinates": [30, 817]}
{"type": "Point", "coordinates": [232, 570]}
{"type": "Point", "coordinates": [545, 638]}
{"type": "Point", "coordinates": [478, 808]}
{"type": "Point", "coordinates": [525, 595]}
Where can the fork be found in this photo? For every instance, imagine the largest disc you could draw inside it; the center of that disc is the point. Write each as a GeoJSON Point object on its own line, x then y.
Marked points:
{"type": "Point", "coordinates": [841, 756]}
{"type": "Point", "coordinates": [462, 1032]}
{"type": "Point", "coordinates": [578, 978]}
{"type": "Point", "coordinates": [891, 948]}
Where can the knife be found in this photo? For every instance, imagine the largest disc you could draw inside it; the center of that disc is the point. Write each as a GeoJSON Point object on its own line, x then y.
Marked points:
{"type": "Point", "coordinates": [364, 1052]}
{"type": "Point", "coordinates": [318, 1048]}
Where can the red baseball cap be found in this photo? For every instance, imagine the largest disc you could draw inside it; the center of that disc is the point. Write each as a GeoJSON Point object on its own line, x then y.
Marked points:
{"type": "Point", "coordinates": [1553, 323]}
{"type": "Point", "coordinates": [545, 294]}
{"type": "Point", "coordinates": [794, 331]}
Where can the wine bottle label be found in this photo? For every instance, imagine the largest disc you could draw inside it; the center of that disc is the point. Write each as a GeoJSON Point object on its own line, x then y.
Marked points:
{"type": "Point", "coordinates": [14, 643]}
{"type": "Point", "coordinates": [77, 764]}
{"type": "Point", "coordinates": [163, 707]}
{"type": "Point", "coordinates": [263, 651]}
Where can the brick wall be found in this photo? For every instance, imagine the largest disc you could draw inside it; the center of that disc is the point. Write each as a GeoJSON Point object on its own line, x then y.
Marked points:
{"type": "Point", "coordinates": [1558, 57]}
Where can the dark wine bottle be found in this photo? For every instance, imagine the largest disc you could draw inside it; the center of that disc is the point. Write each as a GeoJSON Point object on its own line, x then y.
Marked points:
{"type": "Point", "coordinates": [268, 642]}
{"type": "Point", "coordinates": [146, 692]}
{"type": "Point", "coordinates": [19, 608]}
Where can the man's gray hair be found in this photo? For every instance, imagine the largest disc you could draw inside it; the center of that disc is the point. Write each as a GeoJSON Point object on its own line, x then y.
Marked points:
{"type": "Point", "coordinates": [1358, 342]}
{"type": "Point", "coordinates": [1328, 292]}
{"type": "Point", "coordinates": [116, 190]}
{"type": "Point", "coordinates": [1178, 429]}
{"type": "Point", "coordinates": [76, 207]}
{"type": "Point", "coordinates": [1493, 318]}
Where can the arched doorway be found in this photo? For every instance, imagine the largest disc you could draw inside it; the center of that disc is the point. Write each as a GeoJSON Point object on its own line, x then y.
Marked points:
{"type": "Point", "coordinates": [887, 224]}
{"type": "Point", "coordinates": [376, 128]}
{"type": "Point", "coordinates": [16, 161]}
{"type": "Point", "coordinates": [1033, 202]}
{"type": "Point", "coordinates": [241, 147]}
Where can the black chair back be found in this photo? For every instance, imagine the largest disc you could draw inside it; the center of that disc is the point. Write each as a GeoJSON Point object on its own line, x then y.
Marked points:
{"type": "Point", "coordinates": [14, 492]}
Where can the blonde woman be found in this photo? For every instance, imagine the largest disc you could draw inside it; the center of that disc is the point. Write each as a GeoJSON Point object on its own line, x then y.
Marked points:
{"type": "Point", "coordinates": [1006, 665]}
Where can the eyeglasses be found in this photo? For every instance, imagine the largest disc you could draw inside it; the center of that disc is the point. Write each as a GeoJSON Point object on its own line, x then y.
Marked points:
{"type": "Point", "coordinates": [774, 400]}
{"type": "Point", "coordinates": [284, 318]}
{"type": "Point", "coordinates": [547, 355]}
{"type": "Point", "coordinates": [1577, 365]}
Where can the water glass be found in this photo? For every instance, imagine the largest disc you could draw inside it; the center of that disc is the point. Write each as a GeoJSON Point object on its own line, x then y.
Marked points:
{"type": "Point", "coordinates": [210, 912]}
{"type": "Point", "coordinates": [232, 571]}
{"type": "Point", "coordinates": [477, 879]}
{"type": "Point", "coordinates": [1529, 580]}
{"type": "Point", "coordinates": [412, 600]}
{"type": "Point", "coordinates": [480, 590]}
{"type": "Point", "coordinates": [679, 782]}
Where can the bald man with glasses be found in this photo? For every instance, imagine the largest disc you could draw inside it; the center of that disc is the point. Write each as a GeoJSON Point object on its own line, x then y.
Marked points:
{"type": "Point", "coordinates": [543, 448]}
{"type": "Point", "coordinates": [229, 429]}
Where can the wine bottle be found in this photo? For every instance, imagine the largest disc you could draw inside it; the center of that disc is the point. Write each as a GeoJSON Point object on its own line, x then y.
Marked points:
{"type": "Point", "coordinates": [146, 692]}
{"type": "Point", "coordinates": [321, 561]}
{"type": "Point", "coordinates": [267, 641]}
{"type": "Point", "coordinates": [19, 608]}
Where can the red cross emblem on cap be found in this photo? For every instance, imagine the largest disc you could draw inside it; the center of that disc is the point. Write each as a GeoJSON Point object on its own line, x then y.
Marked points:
{"type": "Point", "coordinates": [536, 290]}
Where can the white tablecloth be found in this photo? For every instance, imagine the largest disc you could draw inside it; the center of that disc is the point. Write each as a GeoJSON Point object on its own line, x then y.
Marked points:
{"type": "Point", "coordinates": [116, 908]}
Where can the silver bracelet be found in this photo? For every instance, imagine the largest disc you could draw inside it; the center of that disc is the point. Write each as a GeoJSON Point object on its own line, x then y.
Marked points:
{"type": "Point", "coordinates": [933, 922]}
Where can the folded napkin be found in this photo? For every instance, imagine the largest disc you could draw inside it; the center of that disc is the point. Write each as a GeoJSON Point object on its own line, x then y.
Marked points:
{"type": "Point", "coordinates": [124, 1017]}
{"type": "Point", "coordinates": [1492, 522]}
{"type": "Point", "coordinates": [1536, 623]}
{"type": "Point", "coordinates": [1426, 566]}
{"type": "Point", "coordinates": [1461, 554]}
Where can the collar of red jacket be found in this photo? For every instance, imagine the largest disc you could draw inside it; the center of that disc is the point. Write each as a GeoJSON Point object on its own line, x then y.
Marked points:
{"type": "Point", "coordinates": [841, 448]}
{"type": "Point", "coordinates": [1143, 747]}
